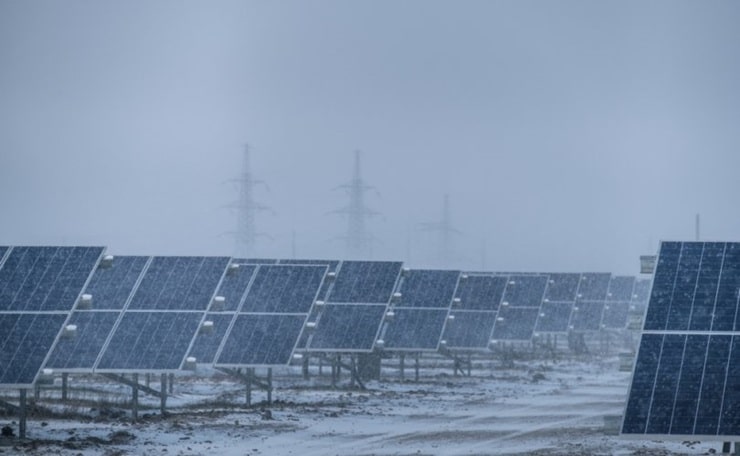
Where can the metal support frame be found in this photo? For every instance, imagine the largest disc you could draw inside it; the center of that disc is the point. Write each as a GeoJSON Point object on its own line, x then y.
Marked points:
{"type": "Point", "coordinates": [250, 379]}
{"type": "Point", "coordinates": [337, 365]}
{"type": "Point", "coordinates": [65, 386]}
{"type": "Point", "coordinates": [458, 363]}
{"type": "Point", "coordinates": [136, 387]}
{"type": "Point", "coordinates": [22, 414]}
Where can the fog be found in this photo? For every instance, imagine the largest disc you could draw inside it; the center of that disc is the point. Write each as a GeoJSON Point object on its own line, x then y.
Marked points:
{"type": "Point", "coordinates": [569, 135]}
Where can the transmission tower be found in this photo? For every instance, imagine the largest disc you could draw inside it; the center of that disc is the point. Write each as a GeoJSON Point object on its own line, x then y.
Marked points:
{"type": "Point", "coordinates": [358, 240]}
{"type": "Point", "coordinates": [245, 235]}
{"type": "Point", "coordinates": [445, 247]}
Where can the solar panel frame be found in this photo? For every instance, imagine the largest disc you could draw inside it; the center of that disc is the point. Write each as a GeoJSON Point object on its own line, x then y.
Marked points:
{"type": "Point", "coordinates": [360, 337]}
{"type": "Point", "coordinates": [470, 330]}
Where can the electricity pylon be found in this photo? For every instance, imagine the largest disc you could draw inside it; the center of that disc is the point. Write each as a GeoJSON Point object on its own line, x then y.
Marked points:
{"type": "Point", "coordinates": [246, 234]}
{"type": "Point", "coordinates": [445, 244]}
{"type": "Point", "coordinates": [358, 240]}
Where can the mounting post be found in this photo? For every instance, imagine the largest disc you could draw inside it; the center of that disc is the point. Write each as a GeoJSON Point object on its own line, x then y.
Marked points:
{"type": "Point", "coordinates": [402, 366]}
{"type": "Point", "coordinates": [163, 396]}
{"type": "Point", "coordinates": [416, 368]}
{"type": "Point", "coordinates": [269, 386]}
{"type": "Point", "coordinates": [65, 384]}
{"type": "Point", "coordinates": [304, 367]}
{"type": "Point", "coordinates": [135, 398]}
{"type": "Point", "coordinates": [22, 415]}
{"type": "Point", "coordinates": [250, 374]}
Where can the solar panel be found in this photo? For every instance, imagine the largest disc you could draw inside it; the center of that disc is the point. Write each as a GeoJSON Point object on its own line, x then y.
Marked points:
{"type": "Point", "coordinates": [39, 286]}
{"type": "Point", "coordinates": [3, 251]}
{"type": "Point", "coordinates": [150, 340]}
{"type": "Point", "coordinates": [481, 292]}
{"type": "Point", "coordinates": [562, 287]}
{"type": "Point", "coordinates": [234, 286]}
{"type": "Point", "coordinates": [686, 380]}
{"type": "Point", "coordinates": [343, 327]}
{"type": "Point", "coordinates": [45, 278]}
{"type": "Point", "coordinates": [25, 342]}
{"type": "Point", "coordinates": [255, 261]}
{"type": "Point", "coordinates": [557, 305]}
{"type": "Point", "coordinates": [111, 286]}
{"type": "Point", "coordinates": [593, 286]}
{"type": "Point", "coordinates": [366, 282]}
{"type": "Point", "coordinates": [591, 299]}
{"type": "Point", "coordinates": [520, 307]}
{"type": "Point", "coordinates": [421, 311]}
{"type": "Point", "coordinates": [284, 289]}
{"type": "Point", "coordinates": [415, 329]}
{"type": "Point", "coordinates": [618, 301]}
{"type": "Point", "coordinates": [333, 266]}
{"type": "Point", "coordinates": [80, 351]}
{"type": "Point", "coordinates": [272, 317]}
{"type": "Point", "coordinates": [261, 340]}
{"type": "Point", "coordinates": [469, 329]}
{"type": "Point", "coordinates": [210, 336]}
{"type": "Point", "coordinates": [428, 288]}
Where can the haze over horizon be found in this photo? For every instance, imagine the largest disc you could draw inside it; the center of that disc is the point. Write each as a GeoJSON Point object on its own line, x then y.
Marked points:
{"type": "Point", "coordinates": [570, 136]}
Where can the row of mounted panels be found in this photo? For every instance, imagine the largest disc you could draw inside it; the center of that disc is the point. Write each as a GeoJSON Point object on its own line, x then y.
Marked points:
{"type": "Point", "coordinates": [160, 313]}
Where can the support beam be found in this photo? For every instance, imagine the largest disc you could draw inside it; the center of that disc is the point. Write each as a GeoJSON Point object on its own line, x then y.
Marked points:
{"type": "Point", "coordinates": [402, 366]}
{"type": "Point", "coordinates": [22, 403]}
{"type": "Point", "coordinates": [163, 396]}
{"type": "Point", "coordinates": [269, 386]}
{"type": "Point", "coordinates": [134, 382]}
{"type": "Point", "coordinates": [416, 368]}
{"type": "Point", "coordinates": [65, 386]}
{"type": "Point", "coordinates": [135, 397]}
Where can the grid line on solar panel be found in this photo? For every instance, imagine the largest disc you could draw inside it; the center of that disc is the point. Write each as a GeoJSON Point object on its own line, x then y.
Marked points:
{"type": "Point", "coordinates": [45, 278]}
{"type": "Point", "coordinates": [233, 287]}
{"type": "Point", "coordinates": [347, 327]}
{"type": "Point", "coordinates": [480, 292]}
{"type": "Point", "coordinates": [370, 282]}
{"type": "Point", "coordinates": [470, 329]}
{"type": "Point", "coordinates": [181, 283]}
{"type": "Point", "coordinates": [111, 286]}
{"type": "Point", "coordinates": [515, 323]}
{"type": "Point", "coordinates": [427, 288]}
{"type": "Point", "coordinates": [80, 350]}
{"type": "Point", "coordinates": [3, 251]}
{"type": "Point", "coordinates": [261, 340]}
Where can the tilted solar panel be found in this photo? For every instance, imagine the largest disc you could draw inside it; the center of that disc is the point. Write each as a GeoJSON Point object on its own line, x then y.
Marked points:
{"type": "Point", "coordinates": [25, 342]}
{"type": "Point", "coordinates": [686, 380]}
{"type": "Point", "coordinates": [210, 336]}
{"type": "Point", "coordinates": [415, 329]}
{"type": "Point", "coordinates": [234, 286]}
{"type": "Point", "coordinates": [284, 289]}
{"type": "Point", "coordinates": [481, 292]}
{"type": "Point", "coordinates": [81, 350]}
{"type": "Point", "coordinates": [111, 286]}
{"type": "Point", "coordinates": [470, 329]}
{"type": "Point", "coordinates": [428, 288]}
{"type": "Point", "coordinates": [261, 340]}
{"type": "Point", "coordinates": [343, 327]}
{"type": "Point", "coordinates": [366, 282]}
{"type": "Point", "coordinates": [562, 287]}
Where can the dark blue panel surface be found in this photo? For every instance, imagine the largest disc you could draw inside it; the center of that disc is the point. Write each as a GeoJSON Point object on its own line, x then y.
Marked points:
{"type": "Point", "coordinates": [255, 261]}
{"type": "Point", "coordinates": [82, 350]}
{"type": "Point", "coordinates": [258, 340]}
{"type": "Point", "coordinates": [111, 286]}
{"type": "Point", "coordinates": [562, 287]}
{"type": "Point", "coordinates": [428, 288]}
{"type": "Point", "coordinates": [150, 341]}
{"type": "Point", "coordinates": [415, 329]}
{"type": "Point", "coordinates": [284, 289]}
{"type": "Point", "coordinates": [25, 341]}
{"type": "Point", "coordinates": [481, 292]}
{"type": "Point", "coordinates": [525, 291]}
{"type": "Point", "coordinates": [45, 278]}
{"type": "Point", "coordinates": [726, 314]}
{"type": "Point", "coordinates": [234, 286]}
{"type": "Point", "coordinates": [365, 282]}
{"type": "Point", "coordinates": [586, 316]}
{"type": "Point", "coordinates": [641, 391]}
{"type": "Point", "coordinates": [333, 265]}
{"type": "Point", "coordinates": [689, 385]}
{"type": "Point", "coordinates": [664, 393]}
{"type": "Point", "coordinates": [179, 283]}
{"type": "Point", "coordinates": [469, 330]}
{"type": "Point", "coordinates": [347, 327]}
{"type": "Point", "coordinates": [207, 342]}
{"type": "Point", "coordinates": [515, 323]}
{"type": "Point", "coordinates": [712, 389]}
{"type": "Point", "coordinates": [554, 317]}
{"type": "Point", "coordinates": [663, 282]}
{"type": "Point", "coordinates": [730, 417]}
{"type": "Point", "coordinates": [3, 249]}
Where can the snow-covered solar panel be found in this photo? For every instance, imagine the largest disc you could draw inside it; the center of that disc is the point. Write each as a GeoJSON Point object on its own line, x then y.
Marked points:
{"type": "Point", "coordinates": [686, 381]}
{"type": "Point", "coordinates": [469, 330]}
{"type": "Point", "coordinates": [618, 302]}
{"type": "Point", "coordinates": [473, 313]}
{"type": "Point", "coordinates": [520, 307]}
{"type": "Point", "coordinates": [347, 328]}
{"type": "Point", "coordinates": [365, 282]}
{"type": "Point", "coordinates": [557, 305]}
{"type": "Point", "coordinates": [588, 310]}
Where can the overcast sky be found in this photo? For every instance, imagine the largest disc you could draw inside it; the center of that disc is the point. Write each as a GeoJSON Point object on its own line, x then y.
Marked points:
{"type": "Point", "coordinates": [569, 135]}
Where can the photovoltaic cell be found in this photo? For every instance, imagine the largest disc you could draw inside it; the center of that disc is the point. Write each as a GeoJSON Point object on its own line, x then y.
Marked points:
{"type": "Point", "coordinates": [562, 287]}
{"type": "Point", "coordinates": [333, 265]}
{"type": "Point", "coordinates": [554, 317]}
{"type": "Point", "coordinates": [618, 302]}
{"type": "Point", "coordinates": [524, 291]}
{"type": "Point", "coordinates": [428, 288]}
{"type": "Point", "coordinates": [234, 286]}
{"type": "Point", "coordinates": [150, 340]}
{"type": "Point", "coordinates": [25, 342]}
{"type": "Point", "coordinates": [593, 286]}
{"type": "Point", "coordinates": [261, 339]}
{"type": "Point", "coordinates": [344, 327]}
{"type": "Point", "coordinates": [586, 315]}
{"type": "Point", "coordinates": [686, 380]}
{"type": "Point", "coordinates": [179, 283]}
{"type": "Point", "coordinates": [415, 329]}
{"type": "Point", "coordinates": [366, 282]}
{"type": "Point", "coordinates": [207, 342]}
{"type": "Point", "coordinates": [515, 323]}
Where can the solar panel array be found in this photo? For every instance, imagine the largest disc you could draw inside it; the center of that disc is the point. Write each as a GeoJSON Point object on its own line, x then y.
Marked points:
{"type": "Point", "coordinates": [589, 307]}
{"type": "Point", "coordinates": [558, 303]}
{"type": "Point", "coordinates": [356, 305]}
{"type": "Point", "coordinates": [39, 286]}
{"type": "Point", "coordinates": [686, 380]}
{"type": "Point", "coordinates": [421, 311]}
{"type": "Point", "coordinates": [520, 307]}
{"type": "Point", "coordinates": [618, 302]}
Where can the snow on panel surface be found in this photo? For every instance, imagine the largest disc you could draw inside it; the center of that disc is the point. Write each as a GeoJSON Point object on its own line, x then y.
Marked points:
{"type": "Point", "coordinates": [515, 323]}
{"type": "Point", "coordinates": [470, 329]}
{"type": "Point", "coordinates": [284, 289]}
{"type": "Point", "coordinates": [562, 287]}
{"type": "Point", "coordinates": [81, 350]}
{"type": "Point", "coordinates": [554, 317]}
{"type": "Point", "coordinates": [111, 286]}
{"type": "Point", "coordinates": [525, 290]}
{"type": "Point", "coordinates": [206, 343]}
{"type": "Point", "coordinates": [481, 292]}
{"type": "Point", "coordinates": [234, 286]}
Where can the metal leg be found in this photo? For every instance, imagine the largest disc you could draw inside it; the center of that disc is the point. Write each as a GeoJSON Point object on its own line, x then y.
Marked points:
{"type": "Point", "coordinates": [163, 396]}
{"type": "Point", "coordinates": [135, 398]}
{"type": "Point", "coordinates": [65, 382]}
{"type": "Point", "coordinates": [269, 386]}
{"type": "Point", "coordinates": [250, 373]}
{"type": "Point", "coordinates": [402, 366]}
{"type": "Point", "coordinates": [22, 414]}
{"type": "Point", "coordinates": [416, 369]}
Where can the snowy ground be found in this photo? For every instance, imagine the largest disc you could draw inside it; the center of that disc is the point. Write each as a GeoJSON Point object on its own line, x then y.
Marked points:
{"type": "Point", "coordinates": [530, 408]}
